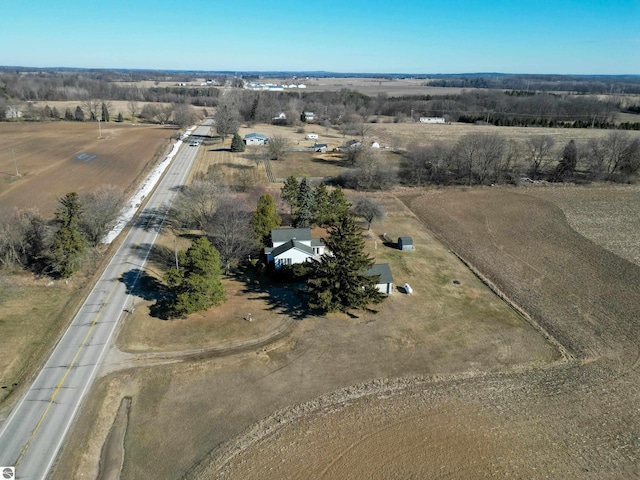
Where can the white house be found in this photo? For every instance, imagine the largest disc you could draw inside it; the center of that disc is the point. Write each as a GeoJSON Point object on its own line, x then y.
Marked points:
{"type": "Point", "coordinates": [311, 136]}
{"type": "Point", "coordinates": [280, 116]}
{"type": "Point", "coordinates": [309, 116]}
{"type": "Point", "coordinates": [255, 139]}
{"type": "Point", "coordinates": [293, 245]}
{"type": "Point", "coordinates": [432, 120]}
{"type": "Point", "coordinates": [385, 278]}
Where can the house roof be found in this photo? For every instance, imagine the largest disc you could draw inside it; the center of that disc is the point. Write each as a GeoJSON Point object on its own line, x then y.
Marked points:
{"type": "Point", "coordinates": [285, 234]}
{"type": "Point", "coordinates": [381, 269]}
{"type": "Point", "coordinates": [405, 240]}
{"type": "Point", "coordinates": [318, 146]}
{"type": "Point", "coordinates": [255, 135]}
{"type": "Point", "coordinates": [289, 245]}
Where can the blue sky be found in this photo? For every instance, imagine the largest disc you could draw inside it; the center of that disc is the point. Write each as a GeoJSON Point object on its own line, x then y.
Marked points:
{"type": "Point", "coordinates": [406, 36]}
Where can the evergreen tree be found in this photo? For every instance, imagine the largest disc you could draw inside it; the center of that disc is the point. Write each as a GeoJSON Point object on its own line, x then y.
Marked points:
{"type": "Point", "coordinates": [79, 115]}
{"type": "Point", "coordinates": [322, 211]}
{"type": "Point", "coordinates": [46, 111]}
{"type": "Point", "coordinates": [569, 160]}
{"type": "Point", "coordinates": [237, 145]}
{"type": "Point", "coordinates": [339, 205]}
{"type": "Point", "coordinates": [120, 118]}
{"type": "Point", "coordinates": [196, 284]}
{"type": "Point", "coordinates": [68, 115]}
{"type": "Point", "coordinates": [68, 243]}
{"type": "Point", "coordinates": [264, 220]}
{"type": "Point", "coordinates": [54, 113]}
{"type": "Point", "coordinates": [289, 192]}
{"type": "Point", "coordinates": [105, 112]}
{"type": "Point", "coordinates": [337, 282]}
{"type": "Point", "coordinates": [304, 213]}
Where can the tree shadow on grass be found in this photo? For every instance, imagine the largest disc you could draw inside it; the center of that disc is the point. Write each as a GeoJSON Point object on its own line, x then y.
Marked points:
{"type": "Point", "coordinates": [282, 298]}
{"type": "Point", "coordinates": [142, 285]}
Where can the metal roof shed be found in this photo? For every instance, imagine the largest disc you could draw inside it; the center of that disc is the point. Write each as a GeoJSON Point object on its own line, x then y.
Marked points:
{"type": "Point", "coordinates": [405, 243]}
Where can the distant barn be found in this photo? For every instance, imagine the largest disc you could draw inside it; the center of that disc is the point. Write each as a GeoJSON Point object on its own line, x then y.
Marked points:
{"type": "Point", "coordinates": [405, 243]}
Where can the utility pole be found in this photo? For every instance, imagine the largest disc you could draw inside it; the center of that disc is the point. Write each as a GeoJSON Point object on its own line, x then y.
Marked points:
{"type": "Point", "coordinates": [15, 164]}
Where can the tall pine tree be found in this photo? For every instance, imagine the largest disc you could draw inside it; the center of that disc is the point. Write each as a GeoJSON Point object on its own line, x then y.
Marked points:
{"type": "Point", "coordinates": [337, 282]}
{"type": "Point", "coordinates": [196, 284]}
{"type": "Point", "coordinates": [290, 191]}
{"type": "Point", "coordinates": [68, 243]}
{"type": "Point", "coordinates": [322, 211]}
{"type": "Point", "coordinates": [339, 205]}
{"type": "Point", "coordinates": [264, 220]}
{"type": "Point", "coordinates": [303, 216]}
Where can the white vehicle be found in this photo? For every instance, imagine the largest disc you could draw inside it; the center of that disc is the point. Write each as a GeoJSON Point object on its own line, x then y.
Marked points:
{"type": "Point", "coordinates": [194, 144]}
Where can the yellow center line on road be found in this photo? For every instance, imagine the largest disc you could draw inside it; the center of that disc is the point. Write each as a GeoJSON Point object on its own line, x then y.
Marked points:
{"type": "Point", "coordinates": [66, 373]}
{"type": "Point", "coordinates": [75, 358]}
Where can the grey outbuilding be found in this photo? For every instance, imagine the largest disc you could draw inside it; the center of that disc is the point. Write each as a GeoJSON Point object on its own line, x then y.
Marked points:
{"type": "Point", "coordinates": [405, 243]}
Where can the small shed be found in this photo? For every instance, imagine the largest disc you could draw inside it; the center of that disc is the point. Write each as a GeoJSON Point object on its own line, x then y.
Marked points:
{"type": "Point", "coordinates": [385, 278]}
{"type": "Point", "coordinates": [405, 243]}
{"type": "Point", "coordinates": [311, 136]}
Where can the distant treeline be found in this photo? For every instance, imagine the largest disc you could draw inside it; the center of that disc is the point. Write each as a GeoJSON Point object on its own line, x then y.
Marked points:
{"type": "Point", "coordinates": [508, 107]}
{"type": "Point", "coordinates": [491, 158]}
{"type": "Point", "coordinates": [599, 84]}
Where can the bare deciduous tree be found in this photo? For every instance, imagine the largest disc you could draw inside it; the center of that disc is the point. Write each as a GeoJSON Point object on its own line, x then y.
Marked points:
{"type": "Point", "coordinates": [368, 209]}
{"type": "Point", "coordinates": [163, 115]}
{"type": "Point", "coordinates": [538, 153]}
{"type": "Point", "coordinates": [92, 108]}
{"type": "Point", "coordinates": [195, 204]}
{"type": "Point", "coordinates": [616, 153]}
{"type": "Point", "coordinates": [278, 146]}
{"type": "Point", "coordinates": [99, 210]}
{"type": "Point", "coordinates": [231, 233]}
{"type": "Point", "coordinates": [183, 116]}
{"type": "Point", "coordinates": [134, 109]}
{"type": "Point", "coordinates": [227, 120]}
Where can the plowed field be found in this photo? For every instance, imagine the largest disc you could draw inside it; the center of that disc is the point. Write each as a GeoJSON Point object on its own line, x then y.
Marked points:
{"type": "Point", "coordinates": [57, 158]}
{"type": "Point", "coordinates": [575, 420]}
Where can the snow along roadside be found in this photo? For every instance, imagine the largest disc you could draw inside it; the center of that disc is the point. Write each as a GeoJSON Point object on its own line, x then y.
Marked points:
{"type": "Point", "coordinates": [130, 209]}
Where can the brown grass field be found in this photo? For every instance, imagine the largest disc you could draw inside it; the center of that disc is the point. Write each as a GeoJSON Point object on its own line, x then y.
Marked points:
{"type": "Point", "coordinates": [60, 157]}
{"type": "Point", "coordinates": [33, 311]}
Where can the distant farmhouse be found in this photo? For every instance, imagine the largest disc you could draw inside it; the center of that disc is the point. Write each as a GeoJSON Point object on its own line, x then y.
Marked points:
{"type": "Point", "coordinates": [309, 116]}
{"type": "Point", "coordinates": [255, 139]}
{"type": "Point", "coordinates": [432, 120]}
{"type": "Point", "coordinates": [293, 245]}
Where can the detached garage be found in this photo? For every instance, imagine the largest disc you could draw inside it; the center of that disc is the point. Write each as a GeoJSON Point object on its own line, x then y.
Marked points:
{"type": "Point", "coordinates": [385, 278]}
{"type": "Point", "coordinates": [405, 243]}
{"type": "Point", "coordinates": [255, 139]}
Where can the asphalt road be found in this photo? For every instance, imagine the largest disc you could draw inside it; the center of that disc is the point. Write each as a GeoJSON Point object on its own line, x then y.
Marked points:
{"type": "Point", "coordinates": [31, 436]}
